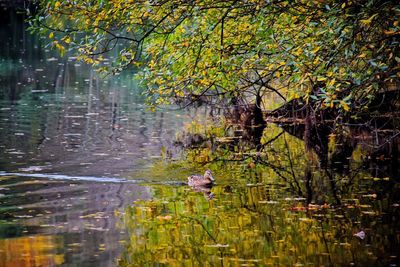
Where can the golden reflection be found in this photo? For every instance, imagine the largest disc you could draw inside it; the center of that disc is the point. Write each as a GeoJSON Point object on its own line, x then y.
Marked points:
{"type": "Point", "coordinates": [29, 251]}
{"type": "Point", "coordinates": [276, 206]}
{"type": "Point", "coordinates": [252, 226]}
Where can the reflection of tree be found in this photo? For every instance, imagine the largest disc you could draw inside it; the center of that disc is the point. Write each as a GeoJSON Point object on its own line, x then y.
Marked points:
{"type": "Point", "coordinates": [279, 158]}
{"type": "Point", "coordinates": [301, 169]}
{"type": "Point", "coordinates": [378, 142]}
{"type": "Point", "coordinates": [251, 223]}
{"type": "Point", "coordinates": [273, 205]}
{"type": "Point", "coordinates": [39, 250]}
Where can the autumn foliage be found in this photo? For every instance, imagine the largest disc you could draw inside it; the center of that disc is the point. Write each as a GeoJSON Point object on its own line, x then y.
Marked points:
{"type": "Point", "coordinates": [337, 53]}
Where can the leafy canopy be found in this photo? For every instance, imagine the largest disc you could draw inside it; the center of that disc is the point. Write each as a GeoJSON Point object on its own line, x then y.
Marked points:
{"type": "Point", "coordinates": [340, 53]}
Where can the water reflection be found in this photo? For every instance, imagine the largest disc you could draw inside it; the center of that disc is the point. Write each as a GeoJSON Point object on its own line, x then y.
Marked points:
{"type": "Point", "coordinates": [275, 206]}
{"type": "Point", "coordinates": [81, 124]}
{"type": "Point", "coordinates": [265, 223]}
{"type": "Point", "coordinates": [39, 250]}
{"type": "Point", "coordinates": [67, 137]}
{"type": "Point", "coordinates": [83, 130]}
{"type": "Point", "coordinates": [78, 218]}
{"type": "Point", "coordinates": [206, 190]}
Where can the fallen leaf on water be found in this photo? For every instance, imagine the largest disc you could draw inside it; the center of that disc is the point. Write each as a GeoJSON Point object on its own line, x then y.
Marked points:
{"type": "Point", "coordinates": [368, 212]}
{"type": "Point", "coordinates": [75, 245]}
{"type": "Point", "coordinates": [360, 234]}
{"type": "Point", "coordinates": [370, 195]}
{"type": "Point", "coordinates": [166, 217]}
{"type": "Point", "coordinates": [218, 245]}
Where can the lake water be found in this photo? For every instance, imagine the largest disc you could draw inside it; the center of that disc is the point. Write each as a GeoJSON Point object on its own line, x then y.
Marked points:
{"type": "Point", "coordinates": [84, 182]}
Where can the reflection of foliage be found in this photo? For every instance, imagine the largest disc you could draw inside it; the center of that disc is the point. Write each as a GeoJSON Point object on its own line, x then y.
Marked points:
{"type": "Point", "coordinates": [39, 250]}
{"type": "Point", "coordinates": [253, 224]}
{"type": "Point", "coordinates": [23, 113]}
{"type": "Point", "coordinates": [273, 205]}
{"type": "Point", "coordinates": [277, 153]}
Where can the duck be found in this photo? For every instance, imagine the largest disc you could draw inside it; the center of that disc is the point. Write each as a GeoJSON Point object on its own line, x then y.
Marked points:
{"type": "Point", "coordinates": [200, 180]}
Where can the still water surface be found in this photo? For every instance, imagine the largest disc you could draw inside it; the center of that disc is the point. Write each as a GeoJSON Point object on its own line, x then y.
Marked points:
{"type": "Point", "coordinates": [82, 183]}
{"type": "Point", "coordinates": [69, 143]}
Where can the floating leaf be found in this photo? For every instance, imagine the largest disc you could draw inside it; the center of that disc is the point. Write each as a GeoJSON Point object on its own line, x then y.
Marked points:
{"type": "Point", "coordinates": [360, 234]}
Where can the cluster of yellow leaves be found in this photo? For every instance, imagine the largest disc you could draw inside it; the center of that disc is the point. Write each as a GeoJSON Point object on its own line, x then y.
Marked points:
{"type": "Point", "coordinates": [204, 47]}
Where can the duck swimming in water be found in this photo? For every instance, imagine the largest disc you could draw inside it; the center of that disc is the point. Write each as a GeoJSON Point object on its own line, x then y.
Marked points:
{"type": "Point", "coordinates": [199, 180]}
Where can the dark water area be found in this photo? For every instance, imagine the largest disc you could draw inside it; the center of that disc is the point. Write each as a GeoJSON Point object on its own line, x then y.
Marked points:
{"type": "Point", "coordinates": [85, 180]}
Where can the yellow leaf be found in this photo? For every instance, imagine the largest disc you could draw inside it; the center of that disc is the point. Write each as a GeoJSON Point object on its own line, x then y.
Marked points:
{"type": "Point", "coordinates": [369, 20]}
{"type": "Point", "coordinates": [345, 106]}
{"type": "Point", "coordinates": [51, 35]}
{"type": "Point", "coordinates": [59, 259]}
{"type": "Point", "coordinates": [390, 32]}
{"type": "Point", "coordinates": [316, 49]}
{"type": "Point", "coordinates": [57, 4]}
